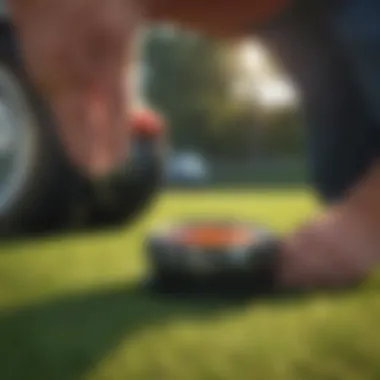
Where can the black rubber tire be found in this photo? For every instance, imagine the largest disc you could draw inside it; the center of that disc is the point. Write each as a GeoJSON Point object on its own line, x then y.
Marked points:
{"type": "Point", "coordinates": [45, 200]}
{"type": "Point", "coordinates": [134, 192]}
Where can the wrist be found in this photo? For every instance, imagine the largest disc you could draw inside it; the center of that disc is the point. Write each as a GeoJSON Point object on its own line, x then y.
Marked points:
{"type": "Point", "coordinates": [363, 199]}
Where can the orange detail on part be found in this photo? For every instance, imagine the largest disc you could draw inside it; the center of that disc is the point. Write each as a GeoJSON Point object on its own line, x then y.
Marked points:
{"type": "Point", "coordinates": [214, 236]}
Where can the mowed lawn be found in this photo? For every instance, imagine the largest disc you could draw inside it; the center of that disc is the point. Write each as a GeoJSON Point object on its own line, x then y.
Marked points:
{"type": "Point", "coordinates": [71, 309]}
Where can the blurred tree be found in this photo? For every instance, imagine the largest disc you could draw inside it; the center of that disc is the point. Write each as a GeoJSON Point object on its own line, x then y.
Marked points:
{"type": "Point", "coordinates": [189, 83]}
{"type": "Point", "coordinates": [186, 84]}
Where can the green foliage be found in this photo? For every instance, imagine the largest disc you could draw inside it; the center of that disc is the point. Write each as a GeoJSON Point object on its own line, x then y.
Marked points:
{"type": "Point", "coordinates": [71, 309]}
{"type": "Point", "coordinates": [191, 84]}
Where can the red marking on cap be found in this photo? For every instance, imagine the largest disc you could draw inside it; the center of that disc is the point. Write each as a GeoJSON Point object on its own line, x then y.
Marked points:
{"type": "Point", "coordinates": [214, 236]}
{"type": "Point", "coordinates": [148, 122]}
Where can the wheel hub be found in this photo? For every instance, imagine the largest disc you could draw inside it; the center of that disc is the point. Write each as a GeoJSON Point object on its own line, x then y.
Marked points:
{"type": "Point", "coordinates": [15, 140]}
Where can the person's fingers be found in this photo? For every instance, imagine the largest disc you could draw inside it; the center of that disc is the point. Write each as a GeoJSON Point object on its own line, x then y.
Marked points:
{"type": "Point", "coordinates": [332, 251]}
{"type": "Point", "coordinates": [77, 53]}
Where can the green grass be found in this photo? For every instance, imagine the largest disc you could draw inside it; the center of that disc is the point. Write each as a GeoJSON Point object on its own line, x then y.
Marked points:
{"type": "Point", "coordinates": [70, 309]}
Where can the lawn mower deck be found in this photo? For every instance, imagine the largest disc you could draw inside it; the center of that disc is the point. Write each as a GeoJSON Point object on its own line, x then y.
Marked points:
{"type": "Point", "coordinates": [211, 257]}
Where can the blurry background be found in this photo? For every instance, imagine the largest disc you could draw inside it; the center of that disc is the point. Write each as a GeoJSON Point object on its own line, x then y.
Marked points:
{"type": "Point", "coordinates": [71, 305]}
{"type": "Point", "coordinates": [233, 114]}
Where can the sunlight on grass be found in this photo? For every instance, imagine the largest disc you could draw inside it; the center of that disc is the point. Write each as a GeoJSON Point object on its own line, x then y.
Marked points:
{"type": "Point", "coordinates": [82, 318]}
{"type": "Point", "coordinates": [46, 267]}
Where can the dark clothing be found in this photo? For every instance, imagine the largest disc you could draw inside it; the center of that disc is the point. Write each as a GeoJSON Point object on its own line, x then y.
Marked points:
{"type": "Point", "coordinates": [332, 53]}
